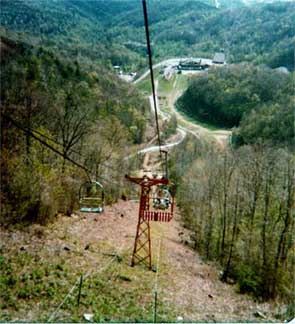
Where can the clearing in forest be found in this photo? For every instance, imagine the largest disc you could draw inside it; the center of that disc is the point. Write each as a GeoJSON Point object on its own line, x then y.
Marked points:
{"type": "Point", "coordinates": [49, 261]}
{"type": "Point", "coordinates": [168, 91]}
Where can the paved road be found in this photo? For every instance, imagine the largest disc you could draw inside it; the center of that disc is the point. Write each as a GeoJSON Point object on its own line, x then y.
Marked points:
{"type": "Point", "coordinates": [220, 135]}
{"type": "Point", "coordinates": [166, 146]}
{"type": "Point", "coordinates": [165, 116]}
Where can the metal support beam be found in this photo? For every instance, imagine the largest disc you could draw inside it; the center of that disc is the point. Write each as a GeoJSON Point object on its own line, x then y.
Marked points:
{"type": "Point", "coordinates": [142, 251]}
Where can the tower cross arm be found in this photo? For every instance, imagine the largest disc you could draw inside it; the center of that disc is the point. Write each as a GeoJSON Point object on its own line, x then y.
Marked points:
{"type": "Point", "coordinates": [146, 181]}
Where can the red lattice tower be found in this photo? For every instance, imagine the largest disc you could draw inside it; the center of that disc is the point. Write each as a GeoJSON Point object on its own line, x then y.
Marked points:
{"type": "Point", "coordinates": [142, 245]}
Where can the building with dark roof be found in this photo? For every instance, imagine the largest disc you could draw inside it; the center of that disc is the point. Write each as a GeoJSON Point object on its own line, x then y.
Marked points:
{"type": "Point", "coordinates": [190, 64]}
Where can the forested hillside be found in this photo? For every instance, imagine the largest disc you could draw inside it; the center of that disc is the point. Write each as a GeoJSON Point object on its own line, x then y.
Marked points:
{"type": "Point", "coordinates": [87, 117]}
{"type": "Point", "coordinates": [75, 28]}
{"type": "Point", "coordinates": [257, 99]}
{"type": "Point", "coordinates": [112, 31]}
{"type": "Point", "coordinates": [239, 207]}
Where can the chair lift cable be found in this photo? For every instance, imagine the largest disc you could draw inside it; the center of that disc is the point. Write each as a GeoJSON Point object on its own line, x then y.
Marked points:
{"type": "Point", "coordinates": [71, 150]}
{"type": "Point", "coordinates": [31, 133]}
{"type": "Point", "coordinates": [146, 24]}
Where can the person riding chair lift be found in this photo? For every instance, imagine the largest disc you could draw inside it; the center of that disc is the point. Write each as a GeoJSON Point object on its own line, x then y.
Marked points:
{"type": "Point", "coordinates": [162, 198]}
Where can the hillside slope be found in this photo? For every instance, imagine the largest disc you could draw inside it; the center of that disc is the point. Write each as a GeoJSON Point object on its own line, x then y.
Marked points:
{"type": "Point", "coordinates": [256, 100]}
{"type": "Point", "coordinates": [261, 33]}
{"type": "Point", "coordinates": [113, 291]}
{"type": "Point", "coordinates": [83, 125]}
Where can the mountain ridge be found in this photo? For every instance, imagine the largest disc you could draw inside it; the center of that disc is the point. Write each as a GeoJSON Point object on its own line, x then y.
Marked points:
{"type": "Point", "coordinates": [184, 29]}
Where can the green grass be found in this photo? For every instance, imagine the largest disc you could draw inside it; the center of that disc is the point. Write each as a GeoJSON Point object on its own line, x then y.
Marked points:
{"type": "Point", "coordinates": [182, 82]}
{"type": "Point", "coordinates": [145, 85]}
{"type": "Point", "coordinates": [165, 87]}
{"type": "Point", "coordinates": [196, 121]}
{"type": "Point", "coordinates": [178, 82]}
{"type": "Point", "coordinates": [120, 294]}
{"type": "Point", "coordinates": [25, 279]}
{"type": "Point", "coordinates": [166, 90]}
{"type": "Point", "coordinates": [36, 285]}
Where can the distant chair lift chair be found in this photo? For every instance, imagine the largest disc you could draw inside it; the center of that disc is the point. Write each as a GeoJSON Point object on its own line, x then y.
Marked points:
{"type": "Point", "coordinates": [91, 197]}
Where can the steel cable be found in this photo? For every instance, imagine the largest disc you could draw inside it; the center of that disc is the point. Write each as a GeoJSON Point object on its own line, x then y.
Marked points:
{"type": "Point", "coordinates": [146, 24]}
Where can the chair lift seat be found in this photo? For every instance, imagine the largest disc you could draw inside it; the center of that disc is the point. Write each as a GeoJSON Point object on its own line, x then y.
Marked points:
{"type": "Point", "coordinates": [91, 209]}
{"type": "Point", "coordinates": [91, 197]}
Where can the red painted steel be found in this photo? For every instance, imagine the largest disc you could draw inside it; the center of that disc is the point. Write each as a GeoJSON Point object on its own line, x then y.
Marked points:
{"type": "Point", "coordinates": [142, 244]}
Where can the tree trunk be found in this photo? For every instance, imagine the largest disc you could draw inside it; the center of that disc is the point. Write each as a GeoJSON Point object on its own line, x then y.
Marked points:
{"type": "Point", "coordinates": [234, 231]}
{"type": "Point", "coordinates": [28, 122]}
{"type": "Point", "coordinates": [282, 250]}
{"type": "Point", "coordinates": [210, 226]}
{"type": "Point", "coordinates": [251, 227]}
{"type": "Point", "coordinates": [227, 174]}
{"type": "Point", "coordinates": [265, 216]}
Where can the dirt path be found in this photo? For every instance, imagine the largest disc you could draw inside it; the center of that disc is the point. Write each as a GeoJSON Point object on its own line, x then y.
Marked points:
{"type": "Point", "coordinates": [195, 289]}
{"type": "Point", "coordinates": [221, 136]}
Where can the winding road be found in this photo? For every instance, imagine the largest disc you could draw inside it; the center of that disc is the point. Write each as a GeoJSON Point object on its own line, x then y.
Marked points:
{"type": "Point", "coordinates": [165, 146]}
{"type": "Point", "coordinates": [182, 131]}
{"type": "Point", "coordinates": [185, 126]}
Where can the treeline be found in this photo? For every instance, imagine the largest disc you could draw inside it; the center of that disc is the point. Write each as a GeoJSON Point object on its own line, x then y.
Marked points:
{"type": "Point", "coordinates": [261, 33]}
{"type": "Point", "coordinates": [89, 118]}
{"type": "Point", "coordinates": [74, 28]}
{"type": "Point", "coordinates": [112, 31]}
{"type": "Point", "coordinates": [258, 34]}
{"type": "Point", "coordinates": [239, 207]}
{"type": "Point", "coordinates": [257, 99]}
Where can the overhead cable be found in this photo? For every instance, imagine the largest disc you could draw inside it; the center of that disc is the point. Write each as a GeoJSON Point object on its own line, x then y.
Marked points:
{"type": "Point", "coordinates": [146, 24]}
{"type": "Point", "coordinates": [30, 133]}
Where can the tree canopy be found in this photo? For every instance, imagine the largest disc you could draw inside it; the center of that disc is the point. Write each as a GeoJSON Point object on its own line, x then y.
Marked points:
{"type": "Point", "coordinates": [112, 31]}
{"type": "Point", "coordinates": [257, 100]}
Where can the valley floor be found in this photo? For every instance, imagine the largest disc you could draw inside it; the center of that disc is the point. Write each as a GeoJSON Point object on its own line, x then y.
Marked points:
{"type": "Point", "coordinates": [167, 102]}
{"type": "Point", "coordinates": [167, 93]}
{"type": "Point", "coordinates": [100, 247]}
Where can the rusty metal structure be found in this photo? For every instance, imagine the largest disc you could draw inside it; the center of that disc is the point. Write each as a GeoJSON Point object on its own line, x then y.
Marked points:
{"type": "Point", "coordinates": [147, 212]}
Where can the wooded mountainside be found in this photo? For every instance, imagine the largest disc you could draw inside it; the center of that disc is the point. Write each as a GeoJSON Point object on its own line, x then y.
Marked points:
{"type": "Point", "coordinates": [257, 100]}
{"type": "Point", "coordinates": [239, 206]}
{"type": "Point", "coordinates": [112, 31]}
{"type": "Point", "coordinates": [90, 117]}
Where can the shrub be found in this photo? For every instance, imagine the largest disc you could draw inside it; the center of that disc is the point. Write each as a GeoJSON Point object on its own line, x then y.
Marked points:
{"type": "Point", "coordinates": [248, 279]}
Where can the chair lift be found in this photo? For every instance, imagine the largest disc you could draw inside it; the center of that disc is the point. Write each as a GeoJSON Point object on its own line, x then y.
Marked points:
{"type": "Point", "coordinates": [162, 198]}
{"type": "Point", "coordinates": [91, 197]}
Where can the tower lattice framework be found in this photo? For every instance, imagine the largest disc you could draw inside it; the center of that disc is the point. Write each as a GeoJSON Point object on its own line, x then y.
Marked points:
{"type": "Point", "coordinates": [142, 252]}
